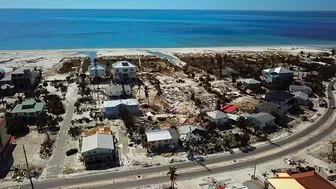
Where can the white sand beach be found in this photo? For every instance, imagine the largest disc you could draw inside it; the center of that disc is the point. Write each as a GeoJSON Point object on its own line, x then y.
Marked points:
{"type": "Point", "coordinates": [47, 59]}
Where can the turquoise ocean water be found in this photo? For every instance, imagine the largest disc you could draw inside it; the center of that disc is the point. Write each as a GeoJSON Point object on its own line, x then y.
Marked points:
{"type": "Point", "coordinates": [66, 29]}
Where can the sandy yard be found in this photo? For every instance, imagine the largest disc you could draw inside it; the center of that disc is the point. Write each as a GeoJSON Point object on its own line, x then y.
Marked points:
{"type": "Point", "coordinates": [32, 143]}
{"type": "Point", "coordinates": [72, 163]}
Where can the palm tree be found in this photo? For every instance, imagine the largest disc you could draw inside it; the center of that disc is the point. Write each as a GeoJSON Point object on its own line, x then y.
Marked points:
{"type": "Point", "coordinates": [333, 52]}
{"type": "Point", "coordinates": [219, 61]}
{"type": "Point", "coordinates": [173, 175]}
{"type": "Point", "coordinates": [301, 53]}
{"type": "Point", "coordinates": [265, 175]}
{"type": "Point", "coordinates": [274, 172]}
{"type": "Point", "coordinates": [139, 86]}
{"type": "Point", "coordinates": [147, 94]}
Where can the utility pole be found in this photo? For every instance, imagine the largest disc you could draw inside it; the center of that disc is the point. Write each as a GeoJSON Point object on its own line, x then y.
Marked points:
{"type": "Point", "coordinates": [30, 179]}
{"type": "Point", "coordinates": [255, 168]}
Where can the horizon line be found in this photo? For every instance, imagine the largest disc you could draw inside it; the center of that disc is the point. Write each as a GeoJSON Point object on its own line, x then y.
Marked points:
{"type": "Point", "coordinates": [67, 8]}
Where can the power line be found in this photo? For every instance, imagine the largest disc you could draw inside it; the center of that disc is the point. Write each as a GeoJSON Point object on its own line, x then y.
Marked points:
{"type": "Point", "coordinates": [30, 179]}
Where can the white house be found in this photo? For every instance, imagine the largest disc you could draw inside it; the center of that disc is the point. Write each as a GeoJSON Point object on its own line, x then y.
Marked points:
{"type": "Point", "coordinates": [164, 138]}
{"type": "Point", "coordinates": [124, 72]}
{"type": "Point", "coordinates": [118, 90]}
{"type": "Point", "coordinates": [262, 119]}
{"type": "Point", "coordinates": [217, 117]}
{"type": "Point", "coordinates": [98, 151]}
{"type": "Point", "coordinates": [300, 88]}
{"type": "Point", "coordinates": [97, 70]}
{"type": "Point", "coordinates": [112, 107]}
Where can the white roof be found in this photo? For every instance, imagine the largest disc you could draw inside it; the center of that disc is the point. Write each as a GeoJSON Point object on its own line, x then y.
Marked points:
{"type": "Point", "coordinates": [123, 64]}
{"type": "Point", "coordinates": [98, 66]}
{"type": "Point", "coordinates": [301, 95]}
{"type": "Point", "coordinates": [115, 103]}
{"type": "Point", "coordinates": [251, 81]}
{"type": "Point", "coordinates": [97, 141]}
{"type": "Point", "coordinates": [217, 114]}
{"type": "Point", "coordinates": [118, 88]}
{"type": "Point", "coordinates": [21, 70]}
{"type": "Point", "coordinates": [263, 117]}
{"type": "Point", "coordinates": [8, 77]}
{"type": "Point", "coordinates": [185, 129]}
{"type": "Point", "coordinates": [156, 135]}
{"type": "Point", "coordinates": [279, 70]}
{"type": "Point", "coordinates": [233, 117]}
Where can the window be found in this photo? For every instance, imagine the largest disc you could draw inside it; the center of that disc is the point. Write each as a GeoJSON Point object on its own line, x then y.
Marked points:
{"type": "Point", "coordinates": [94, 152]}
{"type": "Point", "coordinates": [125, 70]}
{"type": "Point", "coordinates": [132, 70]}
{"type": "Point", "coordinates": [117, 70]}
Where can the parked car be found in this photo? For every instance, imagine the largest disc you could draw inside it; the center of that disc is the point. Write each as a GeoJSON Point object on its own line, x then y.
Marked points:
{"type": "Point", "coordinates": [71, 152]}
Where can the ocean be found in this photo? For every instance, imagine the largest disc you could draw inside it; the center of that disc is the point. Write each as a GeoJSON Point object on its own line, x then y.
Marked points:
{"type": "Point", "coordinates": [25, 29]}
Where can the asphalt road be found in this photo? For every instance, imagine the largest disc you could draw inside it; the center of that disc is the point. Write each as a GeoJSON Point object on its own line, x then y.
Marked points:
{"type": "Point", "coordinates": [57, 183]}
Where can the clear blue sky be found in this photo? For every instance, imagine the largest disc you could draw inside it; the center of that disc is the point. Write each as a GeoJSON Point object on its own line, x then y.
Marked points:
{"type": "Point", "coordinates": [175, 4]}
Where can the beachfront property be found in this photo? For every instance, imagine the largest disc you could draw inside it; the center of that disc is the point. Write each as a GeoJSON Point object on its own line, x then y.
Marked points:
{"type": "Point", "coordinates": [4, 139]}
{"type": "Point", "coordinates": [300, 88]}
{"type": "Point", "coordinates": [217, 117]}
{"type": "Point", "coordinates": [301, 98]}
{"type": "Point", "coordinates": [21, 78]}
{"type": "Point", "coordinates": [302, 180]}
{"type": "Point", "coordinates": [124, 72]}
{"type": "Point", "coordinates": [162, 139]}
{"type": "Point", "coordinates": [97, 70]}
{"type": "Point", "coordinates": [98, 151]}
{"type": "Point", "coordinates": [114, 91]}
{"type": "Point", "coordinates": [29, 109]}
{"type": "Point", "coordinates": [279, 75]}
{"type": "Point", "coordinates": [112, 107]}
{"type": "Point", "coordinates": [251, 83]}
{"type": "Point", "coordinates": [271, 108]}
{"type": "Point", "coordinates": [279, 97]}
{"type": "Point", "coordinates": [262, 120]}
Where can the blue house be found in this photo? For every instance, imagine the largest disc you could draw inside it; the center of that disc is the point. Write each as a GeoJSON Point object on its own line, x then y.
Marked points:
{"type": "Point", "coordinates": [277, 75]}
{"type": "Point", "coordinates": [112, 107]}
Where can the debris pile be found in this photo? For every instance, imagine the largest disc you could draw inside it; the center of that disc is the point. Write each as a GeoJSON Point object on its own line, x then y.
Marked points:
{"type": "Point", "coordinates": [46, 148]}
{"type": "Point", "coordinates": [21, 172]}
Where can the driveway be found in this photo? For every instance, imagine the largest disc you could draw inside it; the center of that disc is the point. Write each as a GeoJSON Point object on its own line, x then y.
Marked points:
{"type": "Point", "coordinates": [54, 164]}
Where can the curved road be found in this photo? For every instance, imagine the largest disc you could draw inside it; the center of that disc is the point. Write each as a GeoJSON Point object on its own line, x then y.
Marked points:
{"type": "Point", "coordinates": [58, 183]}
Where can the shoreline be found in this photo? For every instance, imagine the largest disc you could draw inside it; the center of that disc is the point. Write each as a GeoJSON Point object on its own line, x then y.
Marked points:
{"type": "Point", "coordinates": [173, 49]}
